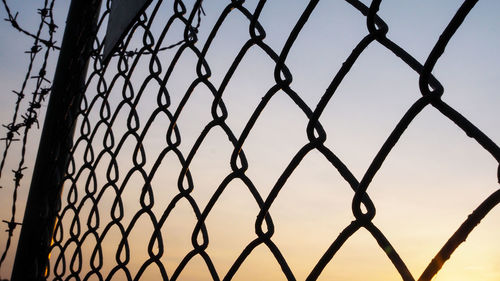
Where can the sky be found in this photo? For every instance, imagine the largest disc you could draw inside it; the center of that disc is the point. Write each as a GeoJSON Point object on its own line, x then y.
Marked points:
{"type": "Point", "coordinates": [431, 181]}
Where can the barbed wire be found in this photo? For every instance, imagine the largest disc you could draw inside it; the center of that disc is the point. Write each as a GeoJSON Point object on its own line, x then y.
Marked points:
{"type": "Point", "coordinates": [45, 13]}
{"type": "Point", "coordinates": [19, 127]}
{"type": "Point", "coordinates": [193, 30]}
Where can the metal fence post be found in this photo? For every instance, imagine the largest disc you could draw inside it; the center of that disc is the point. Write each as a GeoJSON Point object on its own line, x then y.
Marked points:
{"type": "Point", "coordinates": [53, 152]}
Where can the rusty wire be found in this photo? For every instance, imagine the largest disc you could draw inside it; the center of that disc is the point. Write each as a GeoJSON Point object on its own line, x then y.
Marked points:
{"type": "Point", "coordinates": [83, 188]}
{"type": "Point", "coordinates": [23, 120]}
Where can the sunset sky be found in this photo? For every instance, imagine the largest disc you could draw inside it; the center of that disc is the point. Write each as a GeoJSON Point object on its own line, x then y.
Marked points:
{"type": "Point", "coordinates": [431, 181]}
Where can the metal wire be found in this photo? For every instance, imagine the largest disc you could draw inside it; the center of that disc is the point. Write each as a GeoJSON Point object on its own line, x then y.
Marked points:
{"type": "Point", "coordinates": [73, 230]}
{"type": "Point", "coordinates": [18, 130]}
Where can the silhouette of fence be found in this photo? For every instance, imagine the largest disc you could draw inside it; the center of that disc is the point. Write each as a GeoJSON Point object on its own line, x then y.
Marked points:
{"type": "Point", "coordinates": [128, 125]}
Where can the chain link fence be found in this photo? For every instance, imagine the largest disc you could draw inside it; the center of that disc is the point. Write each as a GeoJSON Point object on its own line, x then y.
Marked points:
{"type": "Point", "coordinates": [166, 166]}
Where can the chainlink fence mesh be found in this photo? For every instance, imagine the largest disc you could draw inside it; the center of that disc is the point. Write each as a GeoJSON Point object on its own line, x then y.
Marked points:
{"type": "Point", "coordinates": [174, 172]}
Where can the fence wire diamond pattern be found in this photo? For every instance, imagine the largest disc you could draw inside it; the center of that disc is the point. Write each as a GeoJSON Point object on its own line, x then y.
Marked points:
{"type": "Point", "coordinates": [111, 153]}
